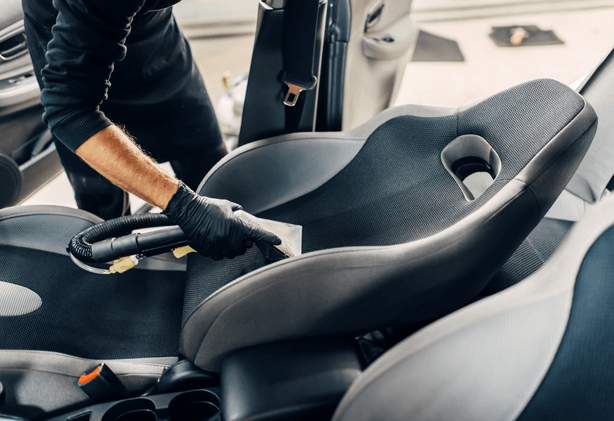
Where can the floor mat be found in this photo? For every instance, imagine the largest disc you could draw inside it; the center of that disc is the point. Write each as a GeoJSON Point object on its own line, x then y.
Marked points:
{"type": "Point", "coordinates": [523, 35]}
{"type": "Point", "coordinates": [430, 47]}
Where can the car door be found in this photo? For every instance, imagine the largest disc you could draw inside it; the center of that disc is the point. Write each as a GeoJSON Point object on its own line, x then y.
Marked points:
{"type": "Point", "coordinates": [368, 45]}
{"type": "Point", "coordinates": [26, 163]}
{"type": "Point", "coordinates": [361, 48]}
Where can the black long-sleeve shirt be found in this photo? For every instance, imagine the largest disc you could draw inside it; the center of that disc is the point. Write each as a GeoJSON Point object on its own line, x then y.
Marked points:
{"type": "Point", "coordinates": [77, 42]}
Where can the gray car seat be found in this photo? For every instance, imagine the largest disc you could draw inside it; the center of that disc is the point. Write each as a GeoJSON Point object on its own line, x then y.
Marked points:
{"type": "Point", "coordinates": [391, 235]}
{"type": "Point", "coordinates": [593, 180]}
{"type": "Point", "coordinates": [408, 244]}
{"type": "Point", "coordinates": [540, 350]}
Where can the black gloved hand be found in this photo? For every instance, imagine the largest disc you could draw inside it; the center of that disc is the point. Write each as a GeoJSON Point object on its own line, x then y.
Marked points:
{"type": "Point", "coordinates": [211, 226]}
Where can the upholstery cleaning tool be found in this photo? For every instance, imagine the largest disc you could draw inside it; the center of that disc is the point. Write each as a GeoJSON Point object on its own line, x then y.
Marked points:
{"type": "Point", "coordinates": [113, 240]}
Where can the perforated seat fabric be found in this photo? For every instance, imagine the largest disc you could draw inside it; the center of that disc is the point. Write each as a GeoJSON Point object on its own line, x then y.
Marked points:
{"type": "Point", "coordinates": [539, 350]}
{"type": "Point", "coordinates": [396, 189]}
{"type": "Point", "coordinates": [57, 320]}
{"type": "Point", "coordinates": [393, 191]}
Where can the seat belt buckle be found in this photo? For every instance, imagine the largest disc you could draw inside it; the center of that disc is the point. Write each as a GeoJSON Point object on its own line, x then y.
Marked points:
{"type": "Point", "coordinates": [295, 89]}
{"type": "Point", "coordinates": [293, 93]}
{"type": "Point", "coordinates": [101, 384]}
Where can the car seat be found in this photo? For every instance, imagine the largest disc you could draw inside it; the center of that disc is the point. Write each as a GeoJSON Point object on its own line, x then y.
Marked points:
{"type": "Point", "coordinates": [392, 233]}
{"type": "Point", "coordinates": [539, 350]}
{"type": "Point", "coordinates": [592, 181]}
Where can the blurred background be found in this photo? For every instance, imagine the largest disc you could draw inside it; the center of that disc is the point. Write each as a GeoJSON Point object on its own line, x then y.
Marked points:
{"type": "Point", "coordinates": [221, 35]}
{"type": "Point", "coordinates": [459, 60]}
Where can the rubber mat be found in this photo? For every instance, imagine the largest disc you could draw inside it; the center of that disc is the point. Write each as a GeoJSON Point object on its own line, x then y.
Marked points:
{"type": "Point", "coordinates": [430, 47]}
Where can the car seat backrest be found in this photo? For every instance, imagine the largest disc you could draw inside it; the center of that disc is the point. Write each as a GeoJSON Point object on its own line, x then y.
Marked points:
{"type": "Point", "coordinates": [394, 238]}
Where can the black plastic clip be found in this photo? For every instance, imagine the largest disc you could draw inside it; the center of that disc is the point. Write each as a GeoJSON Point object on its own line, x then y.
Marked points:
{"type": "Point", "coordinates": [102, 385]}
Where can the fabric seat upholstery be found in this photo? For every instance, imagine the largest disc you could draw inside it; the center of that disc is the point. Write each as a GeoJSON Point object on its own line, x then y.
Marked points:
{"type": "Point", "coordinates": [131, 322]}
{"type": "Point", "coordinates": [390, 227]}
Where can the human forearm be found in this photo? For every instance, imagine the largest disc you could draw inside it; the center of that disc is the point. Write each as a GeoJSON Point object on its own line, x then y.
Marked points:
{"type": "Point", "coordinates": [115, 156]}
{"type": "Point", "coordinates": [210, 224]}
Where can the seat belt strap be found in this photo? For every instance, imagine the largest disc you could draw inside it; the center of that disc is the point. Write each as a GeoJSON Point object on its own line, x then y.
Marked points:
{"type": "Point", "coordinates": [301, 19]}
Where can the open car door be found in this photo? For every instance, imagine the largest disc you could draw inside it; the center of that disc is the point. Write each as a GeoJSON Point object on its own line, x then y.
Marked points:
{"type": "Point", "coordinates": [368, 44]}
{"type": "Point", "coordinates": [26, 160]}
{"type": "Point", "coordinates": [355, 50]}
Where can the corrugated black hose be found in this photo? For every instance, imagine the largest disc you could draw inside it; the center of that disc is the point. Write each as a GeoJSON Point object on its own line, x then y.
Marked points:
{"type": "Point", "coordinates": [81, 244]}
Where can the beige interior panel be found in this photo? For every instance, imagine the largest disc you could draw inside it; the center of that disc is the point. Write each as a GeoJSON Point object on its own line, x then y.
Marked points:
{"type": "Point", "coordinates": [371, 84]}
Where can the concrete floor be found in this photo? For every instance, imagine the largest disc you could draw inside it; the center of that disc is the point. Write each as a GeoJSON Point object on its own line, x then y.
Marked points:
{"type": "Point", "coordinates": [487, 69]}
{"type": "Point", "coordinates": [588, 36]}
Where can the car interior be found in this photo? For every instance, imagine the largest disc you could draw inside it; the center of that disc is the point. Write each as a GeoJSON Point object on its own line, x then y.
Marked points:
{"type": "Point", "coordinates": [455, 225]}
{"type": "Point", "coordinates": [27, 154]}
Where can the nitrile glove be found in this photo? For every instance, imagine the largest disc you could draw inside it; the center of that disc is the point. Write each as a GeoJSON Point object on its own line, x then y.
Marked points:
{"type": "Point", "coordinates": [211, 226]}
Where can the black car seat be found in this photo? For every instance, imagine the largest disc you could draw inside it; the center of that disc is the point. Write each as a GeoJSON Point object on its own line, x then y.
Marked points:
{"type": "Point", "coordinates": [540, 350]}
{"type": "Point", "coordinates": [391, 235]}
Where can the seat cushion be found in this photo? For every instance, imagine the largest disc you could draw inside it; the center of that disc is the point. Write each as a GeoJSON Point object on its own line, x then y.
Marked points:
{"type": "Point", "coordinates": [135, 315]}
{"type": "Point", "coordinates": [534, 251]}
{"type": "Point", "coordinates": [58, 320]}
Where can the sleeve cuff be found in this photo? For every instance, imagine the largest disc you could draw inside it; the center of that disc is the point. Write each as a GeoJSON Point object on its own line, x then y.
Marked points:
{"type": "Point", "coordinates": [78, 126]}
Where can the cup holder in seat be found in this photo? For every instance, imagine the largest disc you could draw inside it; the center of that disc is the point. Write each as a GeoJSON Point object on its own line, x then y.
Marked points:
{"type": "Point", "coordinates": [132, 410]}
{"type": "Point", "coordinates": [473, 164]}
{"type": "Point", "coordinates": [198, 405]}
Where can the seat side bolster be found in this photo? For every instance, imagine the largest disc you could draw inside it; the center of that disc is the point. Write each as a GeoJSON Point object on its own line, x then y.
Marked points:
{"type": "Point", "coordinates": [270, 172]}
{"type": "Point", "coordinates": [39, 382]}
{"type": "Point", "coordinates": [45, 228]}
{"type": "Point", "coordinates": [333, 292]}
{"type": "Point", "coordinates": [486, 370]}
{"type": "Point", "coordinates": [555, 164]}
{"type": "Point", "coordinates": [68, 365]}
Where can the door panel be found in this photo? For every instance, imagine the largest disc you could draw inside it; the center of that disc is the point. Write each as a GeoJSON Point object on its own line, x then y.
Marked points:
{"type": "Point", "coordinates": [382, 40]}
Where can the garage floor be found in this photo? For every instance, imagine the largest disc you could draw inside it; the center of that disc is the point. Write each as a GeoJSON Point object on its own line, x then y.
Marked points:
{"type": "Point", "coordinates": [585, 27]}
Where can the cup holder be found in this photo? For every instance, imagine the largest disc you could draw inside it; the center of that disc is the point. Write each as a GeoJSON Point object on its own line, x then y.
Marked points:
{"type": "Point", "coordinates": [473, 164]}
{"type": "Point", "coordinates": [198, 405]}
{"type": "Point", "coordinates": [132, 410]}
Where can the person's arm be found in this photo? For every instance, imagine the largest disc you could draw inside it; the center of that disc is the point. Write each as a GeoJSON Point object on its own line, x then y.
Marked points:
{"type": "Point", "coordinates": [88, 37]}
{"type": "Point", "coordinates": [117, 158]}
{"type": "Point", "coordinates": [210, 224]}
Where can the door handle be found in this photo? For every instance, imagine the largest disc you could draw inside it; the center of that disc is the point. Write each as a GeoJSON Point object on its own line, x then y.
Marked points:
{"type": "Point", "coordinates": [393, 42]}
{"type": "Point", "coordinates": [374, 15]}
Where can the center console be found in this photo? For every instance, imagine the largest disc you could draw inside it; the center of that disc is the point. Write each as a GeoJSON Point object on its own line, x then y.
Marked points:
{"type": "Point", "coordinates": [299, 380]}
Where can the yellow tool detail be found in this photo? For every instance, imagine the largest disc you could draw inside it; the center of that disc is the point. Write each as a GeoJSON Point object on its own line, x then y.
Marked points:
{"type": "Point", "coordinates": [124, 264]}
{"type": "Point", "coordinates": [182, 251]}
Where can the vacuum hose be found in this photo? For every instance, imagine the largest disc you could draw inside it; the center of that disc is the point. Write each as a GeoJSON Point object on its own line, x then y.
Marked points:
{"type": "Point", "coordinates": [97, 244]}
